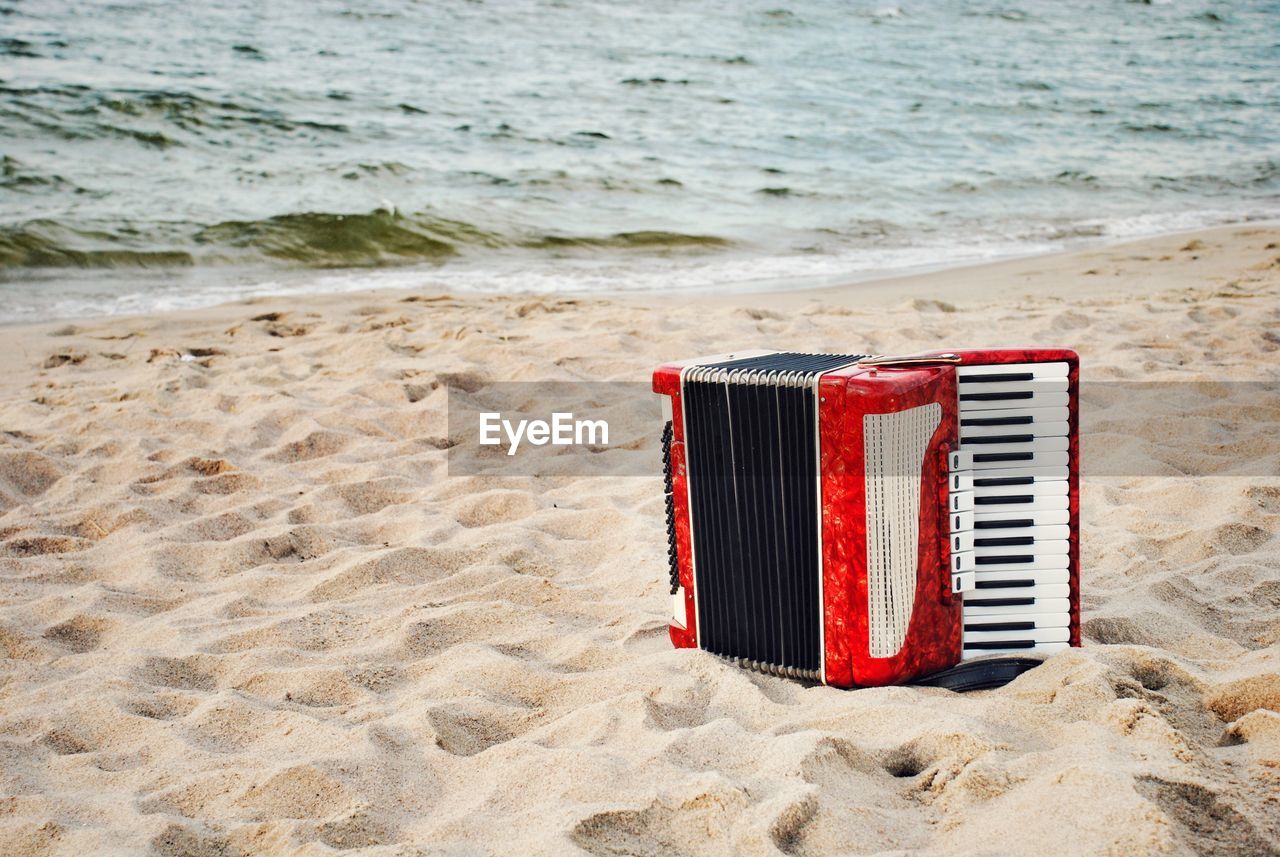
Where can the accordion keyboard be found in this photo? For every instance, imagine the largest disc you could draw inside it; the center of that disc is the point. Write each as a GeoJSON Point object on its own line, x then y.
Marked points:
{"type": "Point", "coordinates": [1010, 514]}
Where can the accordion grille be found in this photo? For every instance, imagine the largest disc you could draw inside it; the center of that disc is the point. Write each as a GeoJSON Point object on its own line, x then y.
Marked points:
{"type": "Point", "coordinates": [894, 447]}
{"type": "Point", "coordinates": [751, 438]}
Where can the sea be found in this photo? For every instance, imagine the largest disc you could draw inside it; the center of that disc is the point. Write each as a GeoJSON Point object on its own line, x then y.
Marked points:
{"type": "Point", "coordinates": [160, 155]}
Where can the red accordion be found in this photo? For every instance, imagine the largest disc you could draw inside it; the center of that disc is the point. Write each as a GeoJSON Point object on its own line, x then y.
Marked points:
{"type": "Point", "coordinates": [861, 520]}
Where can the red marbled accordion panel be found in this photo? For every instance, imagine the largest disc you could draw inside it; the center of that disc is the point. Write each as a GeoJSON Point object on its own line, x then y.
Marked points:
{"type": "Point", "coordinates": [666, 382]}
{"type": "Point", "coordinates": [933, 636]}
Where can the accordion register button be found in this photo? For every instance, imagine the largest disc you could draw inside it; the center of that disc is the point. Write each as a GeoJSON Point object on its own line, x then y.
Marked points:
{"type": "Point", "coordinates": [962, 561]}
{"type": "Point", "coordinates": [961, 501]}
{"type": "Point", "coordinates": [963, 582]}
{"type": "Point", "coordinates": [961, 460]}
{"type": "Point", "coordinates": [961, 541]}
{"type": "Point", "coordinates": [962, 480]}
{"type": "Point", "coordinates": [961, 521]}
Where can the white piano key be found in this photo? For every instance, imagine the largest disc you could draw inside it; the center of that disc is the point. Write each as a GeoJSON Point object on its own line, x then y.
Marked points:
{"type": "Point", "coordinates": [1038, 547]}
{"type": "Point", "coordinates": [1035, 416]}
{"type": "Point", "coordinates": [1035, 489]}
{"type": "Point", "coordinates": [984, 557]}
{"type": "Point", "coordinates": [1055, 429]}
{"type": "Point", "coordinates": [994, 461]}
{"type": "Point", "coordinates": [1039, 474]}
{"type": "Point", "coordinates": [1035, 635]}
{"type": "Point", "coordinates": [990, 400]}
{"type": "Point", "coordinates": [1037, 370]}
{"type": "Point", "coordinates": [989, 521]}
{"type": "Point", "coordinates": [1043, 575]}
{"type": "Point", "coordinates": [1038, 592]}
{"type": "Point", "coordinates": [1035, 444]}
{"type": "Point", "coordinates": [1061, 502]}
{"type": "Point", "coordinates": [1040, 563]}
{"type": "Point", "coordinates": [1045, 649]}
{"type": "Point", "coordinates": [971, 390]}
{"type": "Point", "coordinates": [1043, 534]}
{"type": "Point", "coordinates": [1041, 620]}
{"type": "Point", "coordinates": [1042, 605]}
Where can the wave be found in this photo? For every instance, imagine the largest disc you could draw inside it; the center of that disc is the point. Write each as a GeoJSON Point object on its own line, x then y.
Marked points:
{"type": "Point", "coordinates": [318, 240]}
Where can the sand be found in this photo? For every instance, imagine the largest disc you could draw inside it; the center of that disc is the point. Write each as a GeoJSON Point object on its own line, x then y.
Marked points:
{"type": "Point", "coordinates": [245, 610]}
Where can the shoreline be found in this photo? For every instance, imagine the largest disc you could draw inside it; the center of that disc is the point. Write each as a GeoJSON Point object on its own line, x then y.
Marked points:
{"type": "Point", "coordinates": [876, 287]}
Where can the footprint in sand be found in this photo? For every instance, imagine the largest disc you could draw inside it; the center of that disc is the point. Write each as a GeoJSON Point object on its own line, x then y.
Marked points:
{"type": "Point", "coordinates": [194, 672]}
{"type": "Point", "coordinates": [79, 634]}
{"type": "Point", "coordinates": [318, 444]}
{"type": "Point", "coordinates": [464, 732]}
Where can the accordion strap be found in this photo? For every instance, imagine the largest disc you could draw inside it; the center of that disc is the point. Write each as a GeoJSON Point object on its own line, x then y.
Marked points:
{"type": "Point", "coordinates": [980, 675]}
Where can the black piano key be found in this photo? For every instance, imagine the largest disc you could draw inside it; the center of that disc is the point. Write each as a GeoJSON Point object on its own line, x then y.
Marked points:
{"type": "Point", "coordinates": [983, 457]}
{"type": "Point", "coordinates": [1011, 395]}
{"type": "Point", "coordinates": [998, 421]}
{"type": "Point", "coordinates": [996, 482]}
{"type": "Point", "coordinates": [1001, 560]}
{"type": "Point", "coordinates": [1004, 541]}
{"type": "Point", "coordinates": [1002, 500]}
{"type": "Point", "coordinates": [1002, 644]}
{"type": "Point", "coordinates": [1003, 584]}
{"type": "Point", "coordinates": [1005, 524]}
{"type": "Point", "coordinates": [1000, 438]}
{"type": "Point", "coordinates": [1000, 602]}
{"type": "Point", "coordinates": [1003, 626]}
{"type": "Point", "coordinates": [997, 378]}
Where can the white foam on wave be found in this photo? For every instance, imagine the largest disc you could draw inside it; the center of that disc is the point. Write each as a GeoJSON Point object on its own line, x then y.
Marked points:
{"type": "Point", "coordinates": [98, 293]}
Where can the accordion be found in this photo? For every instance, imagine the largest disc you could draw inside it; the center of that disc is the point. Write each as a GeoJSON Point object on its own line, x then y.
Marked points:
{"type": "Point", "coordinates": [859, 521]}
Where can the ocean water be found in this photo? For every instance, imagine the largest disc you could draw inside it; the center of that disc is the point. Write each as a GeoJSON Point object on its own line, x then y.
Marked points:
{"type": "Point", "coordinates": [160, 155]}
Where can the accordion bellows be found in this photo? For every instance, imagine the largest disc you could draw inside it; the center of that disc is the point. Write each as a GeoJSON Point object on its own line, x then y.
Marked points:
{"type": "Point", "coordinates": [862, 520]}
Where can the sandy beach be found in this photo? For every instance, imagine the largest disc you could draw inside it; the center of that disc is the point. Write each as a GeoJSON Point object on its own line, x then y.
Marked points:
{"type": "Point", "coordinates": [246, 610]}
